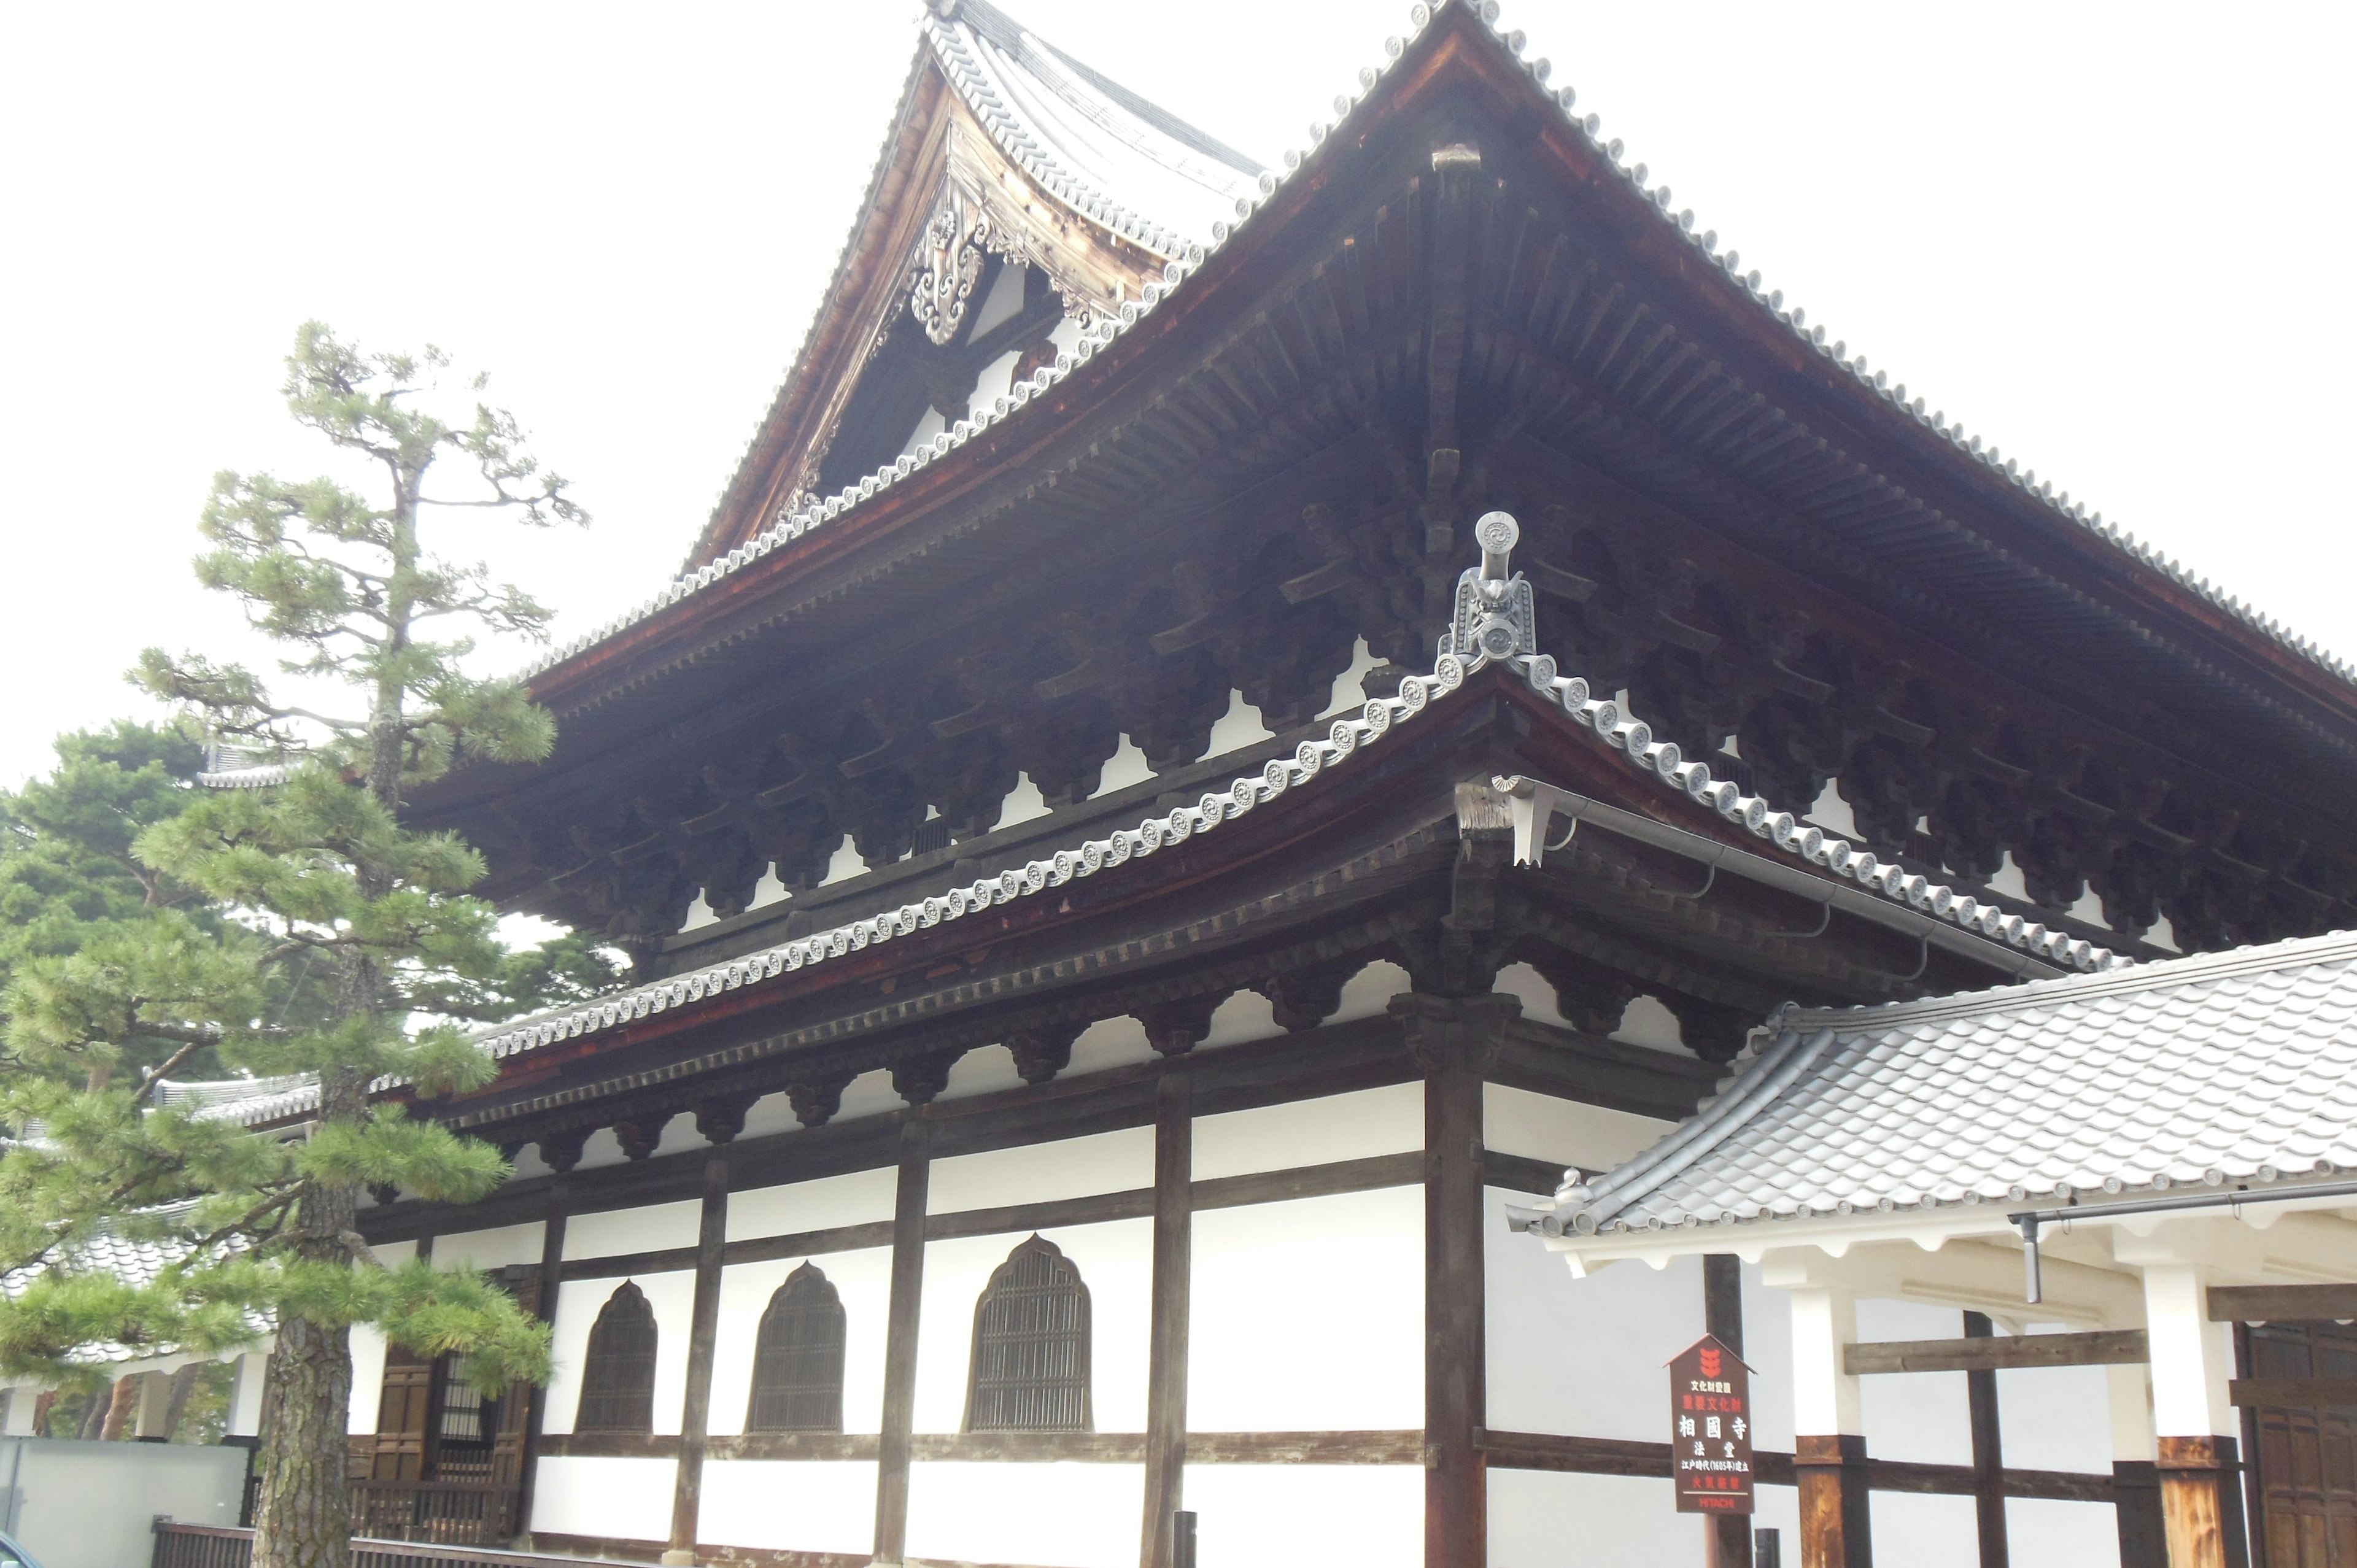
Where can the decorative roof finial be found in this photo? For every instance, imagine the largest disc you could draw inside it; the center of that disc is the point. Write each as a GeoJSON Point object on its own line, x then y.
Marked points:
{"type": "Point", "coordinates": [1495, 615]}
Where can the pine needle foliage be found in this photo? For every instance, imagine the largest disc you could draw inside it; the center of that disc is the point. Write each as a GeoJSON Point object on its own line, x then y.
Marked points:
{"type": "Point", "coordinates": [301, 927]}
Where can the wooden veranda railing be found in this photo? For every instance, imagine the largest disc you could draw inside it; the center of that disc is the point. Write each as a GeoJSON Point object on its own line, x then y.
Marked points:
{"type": "Point", "coordinates": [446, 1513]}
{"type": "Point", "coordinates": [212, 1546]}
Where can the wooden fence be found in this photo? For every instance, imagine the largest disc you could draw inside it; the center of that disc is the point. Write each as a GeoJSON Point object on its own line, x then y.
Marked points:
{"type": "Point", "coordinates": [212, 1546]}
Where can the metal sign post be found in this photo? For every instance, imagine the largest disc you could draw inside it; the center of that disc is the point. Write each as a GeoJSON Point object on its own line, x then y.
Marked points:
{"type": "Point", "coordinates": [1710, 1429]}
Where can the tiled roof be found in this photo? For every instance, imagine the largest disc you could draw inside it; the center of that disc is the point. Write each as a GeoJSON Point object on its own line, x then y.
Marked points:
{"type": "Point", "coordinates": [135, 1263]}
{"type": "Point", "coordinates": [2237, 1067]}
{"type": "Point", "coordinates": [1476, 640]}
{"type": "Point", "coordinates": [1190, 254]}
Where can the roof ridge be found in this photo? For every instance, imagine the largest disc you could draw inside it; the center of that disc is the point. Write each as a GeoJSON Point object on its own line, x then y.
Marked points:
{"type": "Point", "coordinates": [2149, 975]}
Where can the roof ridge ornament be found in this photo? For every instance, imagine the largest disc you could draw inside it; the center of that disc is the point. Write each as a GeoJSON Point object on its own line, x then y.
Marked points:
{"type": "Point", "coordinates": [1496, 616]}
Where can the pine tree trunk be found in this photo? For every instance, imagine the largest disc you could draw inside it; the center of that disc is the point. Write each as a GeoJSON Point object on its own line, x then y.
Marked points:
{"type": "Point", "coordinates": [303, 1516]}
{"type": "Point", "coordinates": [122, 1408]}
{"type": "Point", "coordinates": [302, 1519]}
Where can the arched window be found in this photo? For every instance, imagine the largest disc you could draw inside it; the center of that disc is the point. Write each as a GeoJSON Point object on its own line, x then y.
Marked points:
{"type": "Point", "coordinates": [617, 1377]}
{"type": "Point", "coordinates": [798, 1358]}
{"type": "Point", "coordinates": [1031, 1346]}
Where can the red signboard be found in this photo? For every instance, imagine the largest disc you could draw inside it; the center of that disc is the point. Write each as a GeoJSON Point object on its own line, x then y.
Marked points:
{"type": "Point", "coordinates": [1710, 1429]}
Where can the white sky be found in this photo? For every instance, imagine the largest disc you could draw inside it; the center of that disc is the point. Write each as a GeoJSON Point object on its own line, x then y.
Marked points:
{"type": "Point", "coordinates": [2104, 235]}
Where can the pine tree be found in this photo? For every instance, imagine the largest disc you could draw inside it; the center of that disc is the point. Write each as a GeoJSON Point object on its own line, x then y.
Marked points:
{"type": "Point", "coordinates": [317, 876]}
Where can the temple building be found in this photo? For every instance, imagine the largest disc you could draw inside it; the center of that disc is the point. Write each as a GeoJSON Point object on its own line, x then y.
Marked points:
{"type": "Point", "coordinates": [1243, 746]}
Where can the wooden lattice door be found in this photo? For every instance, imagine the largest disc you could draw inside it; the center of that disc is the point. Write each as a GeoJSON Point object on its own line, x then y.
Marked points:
{"type": "Point", "coordinates": [1030, 1367]}
{"type": "Point", "coordinates": [2307, 1447]}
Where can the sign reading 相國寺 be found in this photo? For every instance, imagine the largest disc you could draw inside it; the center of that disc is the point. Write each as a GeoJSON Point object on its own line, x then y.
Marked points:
{"type": "Point", "coordinates": [1710, 1429]}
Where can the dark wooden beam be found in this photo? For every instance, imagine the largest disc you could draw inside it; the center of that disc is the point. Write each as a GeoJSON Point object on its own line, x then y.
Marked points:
{"type": "Point", "coordinates": [1623, 1456]}
{"type": "Point", "coordinates": [1988, 1453]}
{"type": "Point", "coordinates": [900, 1343]}
{"type": "Point", "coordinates": [2106, 1347]}
{"type": "Point", "coordinates": [1729, 1536]}
{"type": "Point", "coordinates": [1166, 1374]}
{"type": "Point", "coordinates": [703, 1334]}
{"type": "Point", "coordinates": [1834, 1476]}
{"type": "Point", "coordinates": [2283, 1304]}
{"type": "Point", "coordinates": [1456, 1041]}
{"type": "Point", "coordinates": [552, 1272]}
{"type": "Point", "coordinates": [2202, 1502]}
{"type": "Point", "coordinates": [2254, 1392]}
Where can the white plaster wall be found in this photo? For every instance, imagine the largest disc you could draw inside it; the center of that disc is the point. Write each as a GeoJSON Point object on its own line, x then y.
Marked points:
{"type": "Point", "coordinates": [1563, 1131]}
{"type": "Point", "coordinates": [368, 1352]}
{"type": "Point", "coordinates": [1364, 1122]}
{"type": "Point", "coordinates": [1241, 1018]}
{"type": "Point", "coordinates": [869, 1094]}
{"type": "Point", "coordinates": [614, 1232]}
{"type": "Point", "coordinates": [368, 1378]}
{"type": "Point", "coordinates": [1922, 1531]}
{"type": "Point", "coordinates": [987, 1069]}
{"type": "Point", "coordinates": [1044, 1516]}
{"type": "Point", "coordinates": [857, 1198]}
{"type": "Point", "coordinates": [1294, 1515]}
{"type": "Point", "coordinates": [601, 1148]}
{"type": "Point", "coordinates": [1043, 1173]}
{"type": "Point", "coordinates": [1309, 1316]}
{"type": "Point", "coordinates": [1368, 994]}
{"type": "Point", "coordinates": [1110, 1043]}
{"type": "Point", "coordinates": [2042, 1533]}
{"type": "Point", "coordinates": [578, 1301]}
{"type": "Point", "coordinates": [1115, 1262]}
{"type": "Point", "coordinates": [488, 1249]}
{"type": "Point", "coordinates": [2055, 1418]}
{"type": "Point", "coordinates": [624, 1499]}
{"type": "Point", "coordinates": [818, 1505]}
{"type": "Point", "coordinates": [769, 1115]}
{"type": "Point", "coordinates": [864, 1281]}
{"type": "Point", "coordinates": [1528, 986]}
{"type": "Point", "coordinates": [1540, 1519]}
{"type": "Point", "coordinates": [1582, 1358]}
{"type": "Point", "coordinates": [1923, 1417]}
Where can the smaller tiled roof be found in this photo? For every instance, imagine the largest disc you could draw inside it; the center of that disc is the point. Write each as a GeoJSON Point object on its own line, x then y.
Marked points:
{"type": "Point", "coordinates": [135, 1263]}
{"type": "Point", "coordinates": [2238, 1067]}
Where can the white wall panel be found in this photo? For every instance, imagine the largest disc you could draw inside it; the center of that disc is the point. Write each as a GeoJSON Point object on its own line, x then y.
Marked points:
{"type": "Point", "coordinates": [1043, 1173]}
{"type": "Point", "coordinates": [869, 1094]}
{"type": "Point", "coordinates": [769, 1115]}
{"type": "Point", "coordinates": [1053, 1516]}
{"type": "Point", "coordinates": [1923, 1417]}
{"type": "Point", "coordinates": [1922, 1531]}
{"type": "Point", "coordinates": [651, 1228]}
{"type": "Point", "coordinates": [488, 1249]}
{"type": "Point", "coordinates": [1364, 1122]}
{"type": "Point", "coordinates": [857, 1198]}
{"type": "Point", "coordinates": [1115, 1262]}
{"type": "Point", "coordinates": [1241, 1018]}
{"type": "Point", "coordinates": [1563, 1131]}
{"type": "Point", "coordinates": [2055, 1418]}
{"type": "Point", "coordinates": [1309, 1316]}
{"type": "Point", "coordinates": [1110, 1043]}
{"type": "Point", "coordinates": [863, 1280]}
{"type": "Point", "coordinates": [1368, 994]}
{"type": "Point", "coordinates": [578, 1301]}
{"type": "Point", "coordinates": [628, 1499]}
{"type": "Point", "coordinates": [368, 1378]}
{"type": "Point", "coordinates": [819, 1505]}
{"type": "Point", "coordinates": [1539, 1519]}
{"type": "Point", "coordinates": [1293, 1516]}
{"type": "Point", "coordinates": [987, 1069]}
{"type": "Point", "coordinates": [2043, 1533]}
{"type": "Point", "coordinates": [1582, 1358]}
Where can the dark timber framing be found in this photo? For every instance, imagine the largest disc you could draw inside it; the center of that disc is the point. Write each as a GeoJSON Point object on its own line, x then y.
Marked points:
{"type": "Point", "coordinates": [892, 1444]}
{"type": "Point", "coordinates": [1729, 1535]}
{"type": "Point", "coordinates": [1988, 1451]}
{"type": "Point", "coordinates": [696, 1413]}
{"type": "Point", "coordinates": [1166, 1391]}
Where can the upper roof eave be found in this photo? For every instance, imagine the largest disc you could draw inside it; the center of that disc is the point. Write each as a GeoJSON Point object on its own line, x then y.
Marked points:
{"type": "Point", "coordinates": [1743, 303]}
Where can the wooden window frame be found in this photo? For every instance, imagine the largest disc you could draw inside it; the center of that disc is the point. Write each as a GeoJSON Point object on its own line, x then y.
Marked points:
{"type": "Point", "coordinates": [1002, 1279]}
{"type": "Point", "coordinates": [809, 1280]}
{"type": "Point", "coordinates": [624, 1294]}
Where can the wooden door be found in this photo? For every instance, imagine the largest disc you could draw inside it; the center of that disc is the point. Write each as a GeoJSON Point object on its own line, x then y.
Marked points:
{"type": "Point", "coordinates": [2307, 1453]}
{"type": "Point", "coordinates": [402, 1412]}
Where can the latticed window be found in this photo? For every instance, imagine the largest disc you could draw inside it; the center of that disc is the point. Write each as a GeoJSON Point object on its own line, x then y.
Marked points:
{"type": "Point", "coordinates": [466, 1416]}
{"type": "Point", "coordinates": [617, 1376]}
{"type": "Point", "coordinates": [798, 1358]}
{"type": "Point", "coordinates": [1031, 1346]}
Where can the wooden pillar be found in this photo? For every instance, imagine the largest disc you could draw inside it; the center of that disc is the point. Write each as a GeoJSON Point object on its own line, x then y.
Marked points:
{"type": "Point", "coordinates": [557, 1207]}
{"type": "Point", "coordinates": [1729, 1536]}
{"type": "Point", "coordinates": [901, 1346]}
{"type": "Point", "coordinates": [2136, 1482]}
{"type": "Point", "coordinates": [1455, 1040]}
{"type": "Point", "coordinates": [2197, 1456]}
{"type": "Point", "coordinates": [703, 1331]}
{"type": "Point", "coordinates": [1166, 1387]}
{"type": "Point", "coordinates": [1988, 1452]}
{"type": "Point", "coordinates": [1829, 1450]}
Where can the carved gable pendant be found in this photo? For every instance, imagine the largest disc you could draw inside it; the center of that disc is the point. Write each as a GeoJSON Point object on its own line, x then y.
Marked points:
{"type": "Point", "coordinates": [948, 265]}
